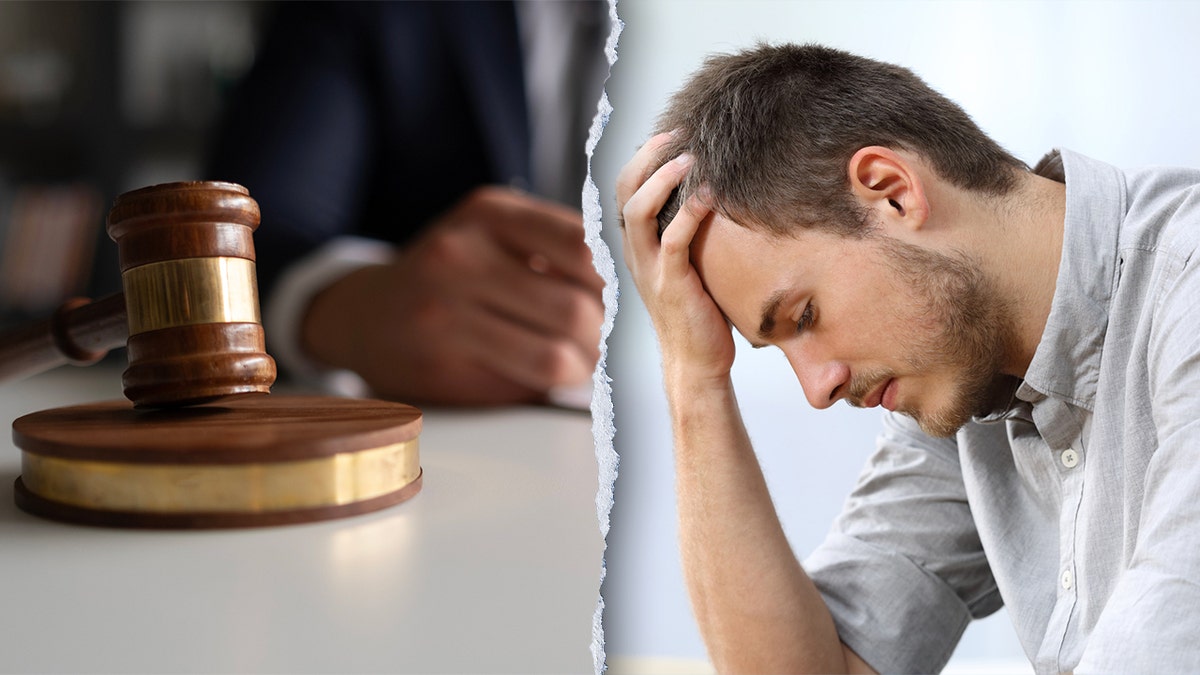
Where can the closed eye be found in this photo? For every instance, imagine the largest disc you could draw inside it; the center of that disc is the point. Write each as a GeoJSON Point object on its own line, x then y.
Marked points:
{"type": "Point", "coordinates": [806, 319]}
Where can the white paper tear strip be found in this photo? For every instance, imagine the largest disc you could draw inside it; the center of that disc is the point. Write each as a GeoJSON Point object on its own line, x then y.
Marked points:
{"type": "Point", "coordinates": [602, 409]}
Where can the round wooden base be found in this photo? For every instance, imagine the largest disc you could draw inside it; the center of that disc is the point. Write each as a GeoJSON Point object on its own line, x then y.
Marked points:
{"type": "Point", "coordinates": [241, 461]}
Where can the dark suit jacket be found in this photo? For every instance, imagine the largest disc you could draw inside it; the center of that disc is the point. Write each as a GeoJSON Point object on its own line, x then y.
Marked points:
{"type": "Point", "coordinates": [373, 118]}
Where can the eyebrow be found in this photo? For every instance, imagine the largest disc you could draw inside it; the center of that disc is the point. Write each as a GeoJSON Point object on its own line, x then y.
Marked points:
{"type": "Point", "coordinates": [769, 309]}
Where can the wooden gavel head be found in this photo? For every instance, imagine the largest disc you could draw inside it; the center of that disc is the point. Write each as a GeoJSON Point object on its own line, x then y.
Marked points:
{"type": "Point", "coordinates": [191, 295]}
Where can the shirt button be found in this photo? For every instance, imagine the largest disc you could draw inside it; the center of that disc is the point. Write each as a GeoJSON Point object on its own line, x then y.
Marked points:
{"type": "Point", "coordinates": [1068, 580]}
{"type": "Point", "coordinates": [1070, 459]}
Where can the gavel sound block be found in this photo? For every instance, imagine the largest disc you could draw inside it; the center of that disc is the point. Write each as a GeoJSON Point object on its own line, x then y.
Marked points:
{"type": "Point", "coordinates": [199, 443]}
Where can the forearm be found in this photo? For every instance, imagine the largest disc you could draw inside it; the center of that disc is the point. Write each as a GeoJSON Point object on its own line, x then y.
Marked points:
{"type": "Point", "coordinates": [758, 611]}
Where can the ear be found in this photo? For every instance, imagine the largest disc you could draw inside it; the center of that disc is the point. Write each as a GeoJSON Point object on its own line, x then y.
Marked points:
{"type": "Point", "coordinates": [888, 183]}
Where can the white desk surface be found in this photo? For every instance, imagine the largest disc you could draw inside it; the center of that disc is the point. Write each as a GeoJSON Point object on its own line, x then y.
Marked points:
{"type": "Point", "coordinates": [493, 567]}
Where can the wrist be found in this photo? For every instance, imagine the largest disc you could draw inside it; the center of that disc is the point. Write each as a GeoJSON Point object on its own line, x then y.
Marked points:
{"type": "Point", "coordinates": [689, 388]}
{"type": "Point", "coordinates": [331, 331]}
{"type": "Point", "coordinates": [689, 377]}
{"type": "Point", "coordinates": [286, 312]}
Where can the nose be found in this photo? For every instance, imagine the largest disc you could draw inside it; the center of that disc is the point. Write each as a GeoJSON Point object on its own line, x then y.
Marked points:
{"type": "Point", "coordinates": [824, 381]}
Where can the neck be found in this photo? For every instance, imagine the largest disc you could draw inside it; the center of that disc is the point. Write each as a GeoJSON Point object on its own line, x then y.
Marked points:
{"type": "Point", "coordinates": [1023, 256]}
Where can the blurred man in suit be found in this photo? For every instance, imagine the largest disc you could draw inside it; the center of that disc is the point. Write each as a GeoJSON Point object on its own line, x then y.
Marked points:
{"type": "Point", "coordinates": [420, 167]}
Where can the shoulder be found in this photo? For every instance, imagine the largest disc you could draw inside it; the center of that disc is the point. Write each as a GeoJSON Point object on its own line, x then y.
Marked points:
{"type": "Point", "coordinates": [1158, 279]}
{"type": "Point", "coordinates": [1163, 212]}
{"type": "Point", "coordinates": [1160, 266]}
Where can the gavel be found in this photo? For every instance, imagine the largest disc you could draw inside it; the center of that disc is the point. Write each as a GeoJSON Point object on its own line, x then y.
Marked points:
{"type": "Point", "coordinates": [189, 313]}
{"type": "Point", "coordinates": [195, 343]}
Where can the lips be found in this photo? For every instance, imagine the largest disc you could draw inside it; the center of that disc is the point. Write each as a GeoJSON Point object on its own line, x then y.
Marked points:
{"type": "Point", "coordinates": [888, 399]}
{"type": "Point", "coordinates": [884, 394]}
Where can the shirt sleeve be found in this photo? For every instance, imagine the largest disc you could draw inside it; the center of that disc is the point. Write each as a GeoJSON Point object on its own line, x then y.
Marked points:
{"type": "Point", "coordinates": [903, 571]}
{"type": "Point", "coordinates": [1150, 622]}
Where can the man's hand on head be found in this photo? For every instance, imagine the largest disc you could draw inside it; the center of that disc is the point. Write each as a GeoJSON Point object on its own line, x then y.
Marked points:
{"type": "Point", "coordinates": [497, 302]}
{"type": "Point", "coordinates": [695, 338]}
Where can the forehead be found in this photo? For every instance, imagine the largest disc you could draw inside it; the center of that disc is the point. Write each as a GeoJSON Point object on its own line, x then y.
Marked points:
{"type": "Point", "coordinates": [744, 268]}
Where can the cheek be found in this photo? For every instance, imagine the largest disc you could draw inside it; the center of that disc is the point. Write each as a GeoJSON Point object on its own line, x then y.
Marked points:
{"type": "Point", "coordinates": [876, 317]}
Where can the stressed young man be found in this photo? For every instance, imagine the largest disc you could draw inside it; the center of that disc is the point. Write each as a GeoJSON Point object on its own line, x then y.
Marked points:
{"type": "Point", "coordinates": [1032, 334]}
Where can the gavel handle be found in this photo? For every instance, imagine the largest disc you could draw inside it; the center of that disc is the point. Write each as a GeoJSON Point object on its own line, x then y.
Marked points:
{"type": "Point", "coordinates": [80, 332]}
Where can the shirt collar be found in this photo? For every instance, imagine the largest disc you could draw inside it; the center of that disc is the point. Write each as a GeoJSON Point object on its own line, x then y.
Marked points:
{"type": "Point", "coordinates": [1066, 364]}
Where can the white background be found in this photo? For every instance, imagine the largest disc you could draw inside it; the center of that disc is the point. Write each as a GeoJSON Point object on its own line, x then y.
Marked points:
{"type": "Point", "coordinates": [1113, 80]}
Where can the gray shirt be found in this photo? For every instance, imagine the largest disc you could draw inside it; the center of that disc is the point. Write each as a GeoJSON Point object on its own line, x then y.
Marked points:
{"type": "Point", "coordinates": [1076, 504]}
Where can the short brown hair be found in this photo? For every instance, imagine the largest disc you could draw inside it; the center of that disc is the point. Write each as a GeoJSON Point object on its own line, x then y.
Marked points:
{"type": "Point", "coordinates": [773, 128]}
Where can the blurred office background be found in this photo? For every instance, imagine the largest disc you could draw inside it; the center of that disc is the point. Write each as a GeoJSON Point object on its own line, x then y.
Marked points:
{"type": "Point", "coordinates": [97, 98]}
{"type": "Point", "coordinates": [1114, 80]}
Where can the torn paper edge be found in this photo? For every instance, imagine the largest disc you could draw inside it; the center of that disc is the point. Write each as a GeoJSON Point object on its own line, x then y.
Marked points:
{"type": "Point", "coordinates": [602, 409]}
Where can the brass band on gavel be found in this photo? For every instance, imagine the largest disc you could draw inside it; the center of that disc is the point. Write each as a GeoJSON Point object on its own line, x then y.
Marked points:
{"type": "Point", "coordinates": [250, 488]}
{"type": "Point", "coordinates": [190, 291]}
{"type": "Point", "coordinates": [187, 266]}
